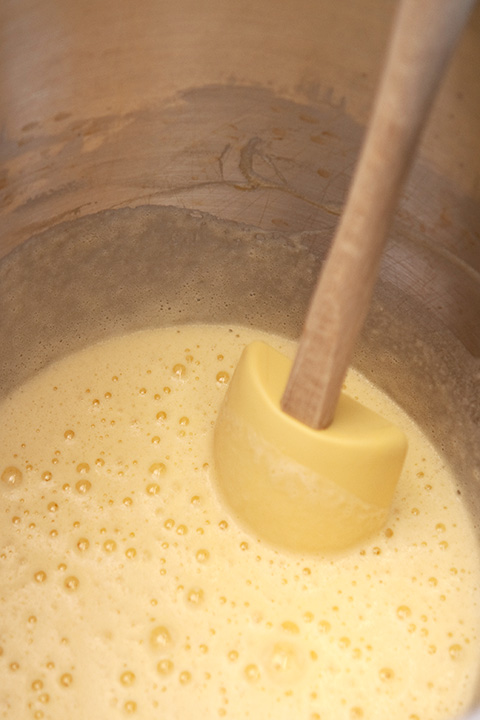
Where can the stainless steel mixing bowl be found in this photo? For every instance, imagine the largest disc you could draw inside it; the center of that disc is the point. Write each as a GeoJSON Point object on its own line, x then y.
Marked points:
{"type": "Point", "coordinates": [169, 162]}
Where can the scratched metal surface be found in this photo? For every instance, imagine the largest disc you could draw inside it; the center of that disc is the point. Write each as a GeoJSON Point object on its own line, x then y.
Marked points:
{"type": "Point", "coordinates": [253, 112]}
{"type": "Point", "coordinates": [250, 110]}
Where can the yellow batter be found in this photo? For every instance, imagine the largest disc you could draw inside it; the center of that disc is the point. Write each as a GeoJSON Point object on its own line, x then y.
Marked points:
{"type": "Point", "coordinates": [127, 589]}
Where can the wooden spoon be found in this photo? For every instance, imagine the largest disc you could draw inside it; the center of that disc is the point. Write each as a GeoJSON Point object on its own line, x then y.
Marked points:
{"type": "Point", "coordinates": [312, 469]}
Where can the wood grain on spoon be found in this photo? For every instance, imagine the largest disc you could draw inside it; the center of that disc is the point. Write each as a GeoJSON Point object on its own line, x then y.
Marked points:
{"type": "Point", "coordinates": [424, 36]}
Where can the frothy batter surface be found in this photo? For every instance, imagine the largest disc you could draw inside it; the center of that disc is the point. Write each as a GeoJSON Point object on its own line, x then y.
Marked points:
{"type": "Point", "coordinates": [127, 589]}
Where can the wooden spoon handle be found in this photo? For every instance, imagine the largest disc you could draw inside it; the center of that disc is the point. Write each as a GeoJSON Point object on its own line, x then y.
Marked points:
{"type": "Point", "coordinates": [424, 35]}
